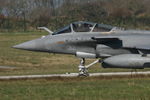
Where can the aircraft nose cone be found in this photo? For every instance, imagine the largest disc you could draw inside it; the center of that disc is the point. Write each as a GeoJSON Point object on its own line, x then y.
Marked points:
{"type": "Point", "coordinates": [30, 45]}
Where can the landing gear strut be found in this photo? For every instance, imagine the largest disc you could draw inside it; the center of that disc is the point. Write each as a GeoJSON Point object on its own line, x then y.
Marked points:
{"type": "Point", "coordinates": [83, 69]}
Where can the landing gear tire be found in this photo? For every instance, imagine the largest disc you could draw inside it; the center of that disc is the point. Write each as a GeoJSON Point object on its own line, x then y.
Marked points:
{"type": "Point", "coordinates": [83, 71]}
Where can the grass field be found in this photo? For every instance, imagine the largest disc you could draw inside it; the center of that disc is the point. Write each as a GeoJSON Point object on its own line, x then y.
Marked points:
{"type": "Point", "coordinates": [27, 62]}
{"type": "Point", "coordinates": [76, 89]}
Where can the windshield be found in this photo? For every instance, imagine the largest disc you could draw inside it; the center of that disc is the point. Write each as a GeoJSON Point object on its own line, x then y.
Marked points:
{"type": "Point", "coordinates": [66, 29]}
{"type": "Point", "coordinates": [84, 27]}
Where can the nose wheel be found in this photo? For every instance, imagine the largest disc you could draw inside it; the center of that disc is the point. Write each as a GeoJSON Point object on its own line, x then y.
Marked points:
{"type": "Point", "coordinates": [83, 69]}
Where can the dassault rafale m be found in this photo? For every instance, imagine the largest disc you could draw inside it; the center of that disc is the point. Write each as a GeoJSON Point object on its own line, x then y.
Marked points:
{"type": "Point", "coordinates": [111, 46]}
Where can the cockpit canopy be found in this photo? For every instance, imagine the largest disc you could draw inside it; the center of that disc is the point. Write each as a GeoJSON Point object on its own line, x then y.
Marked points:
{"type": "Point", "coordinates": [82, 26]}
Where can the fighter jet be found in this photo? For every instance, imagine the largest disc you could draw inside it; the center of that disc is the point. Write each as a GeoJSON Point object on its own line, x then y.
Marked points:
{"type": "Point", "coordinates": [111, 46]}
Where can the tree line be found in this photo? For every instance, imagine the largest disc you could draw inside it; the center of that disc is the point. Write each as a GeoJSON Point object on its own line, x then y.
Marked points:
{"type": "Point", "coordinates": [26, 15]}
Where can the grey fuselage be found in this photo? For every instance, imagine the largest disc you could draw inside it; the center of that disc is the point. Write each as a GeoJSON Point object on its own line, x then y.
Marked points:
{"type": "Point", "coordinates": [131, 42]}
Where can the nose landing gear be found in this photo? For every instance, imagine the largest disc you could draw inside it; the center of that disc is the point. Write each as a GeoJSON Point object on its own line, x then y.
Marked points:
{"type": "Point", "coordinates": [83, 69]}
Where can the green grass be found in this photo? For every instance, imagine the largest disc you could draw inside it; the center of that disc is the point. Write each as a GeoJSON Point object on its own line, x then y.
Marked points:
{"type": "Point", "coordinates": [76, 89]}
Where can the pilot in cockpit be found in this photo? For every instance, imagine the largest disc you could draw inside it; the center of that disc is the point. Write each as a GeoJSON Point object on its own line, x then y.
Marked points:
{"type": "Point", "coordinates": [82, 27]}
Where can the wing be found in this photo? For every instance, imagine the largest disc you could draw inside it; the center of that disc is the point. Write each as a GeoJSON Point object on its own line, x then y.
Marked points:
{"type": "Point", "coordinates": [113, 41]}
{"type": "Point", "coordinates": [143, 47]}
